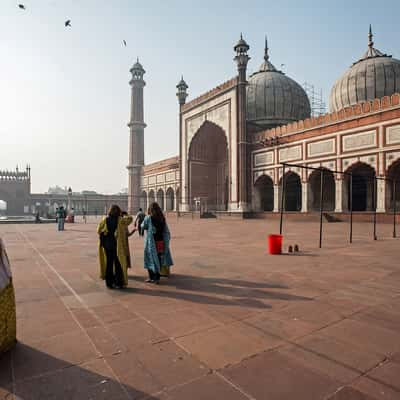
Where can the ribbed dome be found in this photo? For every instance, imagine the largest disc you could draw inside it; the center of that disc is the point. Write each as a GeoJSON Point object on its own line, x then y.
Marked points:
{"type": "Point", "coordinates": [373, 76]}
{"type": "Point", "coordinates": [273, 98]}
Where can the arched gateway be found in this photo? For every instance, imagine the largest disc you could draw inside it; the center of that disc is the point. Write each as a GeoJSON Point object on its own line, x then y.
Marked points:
{"type": "Point", "coordinates": [208, 168]}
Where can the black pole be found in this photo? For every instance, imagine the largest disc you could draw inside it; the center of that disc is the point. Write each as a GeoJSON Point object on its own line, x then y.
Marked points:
{"type": "Point", "coordinates": [321, 207]}
{"type": "Point", "coordinates": [351, 207]}
{"type": "Point", "coordinates": [374, 201]}
{"type": "Point", "coordinates": [282, 198]}
{"type": "Point", "coordinates": [394, 208]}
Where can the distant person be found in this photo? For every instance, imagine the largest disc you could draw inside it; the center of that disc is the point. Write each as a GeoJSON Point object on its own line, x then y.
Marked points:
{"type": "Point", "coordinates": [61, 214]}
{"type": "Point", "coordinates": [112, 248]}
{"type": "Point", "coordinates": [8, 328]}
{"type": "Point", "coordinates": [95, 213]}
{"type": "Point", "coordinates": [157, 255]}
{"type": "Point", "coordinates": [127, 235]}
{"type": "Point", "coordinates": [72, 215]}
{"type": "Point", "coordinates": [37, 218]}
{"type": "Point", "coordinates": [139, 220]}
{"type": "Point", "coordinates": [84, 215]}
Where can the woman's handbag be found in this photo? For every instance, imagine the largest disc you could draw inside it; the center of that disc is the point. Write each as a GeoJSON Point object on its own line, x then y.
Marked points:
{"type": "Point", "coordinates": [164, 270]}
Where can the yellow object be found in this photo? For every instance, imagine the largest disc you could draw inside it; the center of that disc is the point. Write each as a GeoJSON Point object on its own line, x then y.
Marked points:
{"type": "Point", "coordinates": [122, 249]}
{"type": "Point", "coordinates": [164, 270]}
{"type": "Point", "coordinates": [8, 321]}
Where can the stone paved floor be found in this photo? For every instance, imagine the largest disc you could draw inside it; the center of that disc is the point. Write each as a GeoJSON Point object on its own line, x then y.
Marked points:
{"type": "Point", "coordinates": [231, 323]}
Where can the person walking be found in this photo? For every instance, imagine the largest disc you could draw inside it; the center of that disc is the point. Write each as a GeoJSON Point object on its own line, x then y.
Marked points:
{"type": "Point", "coordinates": [139, 220]}
{"type": "Point", "coordinates": [8, 326]}
{"type": "Point", "coordinates": [157, 254]}
{"type": "Point", "coordinates": [37, 218]}
{"type": "Point", "coordinates": [60, 215]}
{"type": "Point", "coordinates": [112, 248]}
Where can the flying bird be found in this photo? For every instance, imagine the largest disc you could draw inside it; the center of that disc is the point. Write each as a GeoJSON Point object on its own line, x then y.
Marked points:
{"type": "Point", "coordinates": [21, 6]}
{"type": "Point", "coordinates": [124, 42]}
{"type": "Point", "coordinates": [67, 23]}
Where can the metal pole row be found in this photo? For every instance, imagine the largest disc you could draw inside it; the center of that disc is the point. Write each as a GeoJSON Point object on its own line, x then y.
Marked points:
{"type": "Point", "coordinates": [282, 199]}
{"type": "Point", "coordinates": [321, 206]}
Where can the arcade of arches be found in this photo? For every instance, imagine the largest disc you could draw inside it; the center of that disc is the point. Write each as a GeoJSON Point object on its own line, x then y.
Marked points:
{"type": "Point", "coordinates": [165, 199]}
{"type": "Point", "coordinates": [305, 196]}
{"type": "Point", "coordinates": [208, 167]}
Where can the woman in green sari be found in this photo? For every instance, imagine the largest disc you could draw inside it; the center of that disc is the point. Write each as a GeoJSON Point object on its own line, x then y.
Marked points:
{"type": "Point", "coordinates": [8, 327]}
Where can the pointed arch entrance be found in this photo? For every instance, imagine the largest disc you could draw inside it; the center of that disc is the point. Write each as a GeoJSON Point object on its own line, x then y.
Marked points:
{"type": "Point", "coordinates": [160, 198]}
{"type": "Point", "coordinates": [293, 200]}
{"type": "Point", "coordinates": [170, 203]}
{"type": "Point", "coordinates": [208, 168]}
{"type": "Point", "coordinates": [392, 196]}
{"type": "Point", "coordinates": [152, 197]}
{"type": "Point", "coordinates": [143, 201]}
{"type": "Point", "coordinates": [314, 190]}
{"type": "Point", "coordinates": [264, 194]}
{"type": "Point", "coordinates": [362, 196]}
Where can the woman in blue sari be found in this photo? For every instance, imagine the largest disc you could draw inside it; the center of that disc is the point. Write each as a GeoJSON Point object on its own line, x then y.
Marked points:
{"type": "Point", "coordinates": [157, 254]}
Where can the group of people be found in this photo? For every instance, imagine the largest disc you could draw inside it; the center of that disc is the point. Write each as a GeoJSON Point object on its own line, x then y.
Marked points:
{"type": "Point", "coordinates": [61, 214]}
{"type": "Point", "coordinates": [114, 254]}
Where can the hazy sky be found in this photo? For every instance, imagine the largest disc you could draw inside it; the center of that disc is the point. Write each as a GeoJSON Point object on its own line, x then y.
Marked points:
{"type": "Point", "coordinates": [64, 93]}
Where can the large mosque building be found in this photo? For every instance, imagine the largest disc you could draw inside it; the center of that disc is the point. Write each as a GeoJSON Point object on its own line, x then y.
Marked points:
{"type": "Point", "coordinates": [235, 137]}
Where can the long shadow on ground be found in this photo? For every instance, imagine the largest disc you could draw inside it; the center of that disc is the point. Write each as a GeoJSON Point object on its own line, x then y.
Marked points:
{"type": "Point", "coordinates": [40, 376]}
{"type": "Point", "coordinates": [201, 290]}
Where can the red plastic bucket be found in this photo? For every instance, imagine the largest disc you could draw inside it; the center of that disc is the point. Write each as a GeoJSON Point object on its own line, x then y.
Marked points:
{"type": "Point", "coordinates": [275, 244]}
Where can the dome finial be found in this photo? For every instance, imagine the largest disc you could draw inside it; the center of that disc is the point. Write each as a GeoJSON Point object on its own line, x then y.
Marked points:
{"type": "Point", "coordinates": [370, 36]}
{"type": "Point", "coordinates": [266, 55]}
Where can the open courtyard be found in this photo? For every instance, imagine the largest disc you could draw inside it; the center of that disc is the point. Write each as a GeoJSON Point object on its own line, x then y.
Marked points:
{"type": "Point", "coordinates": [232, 322]}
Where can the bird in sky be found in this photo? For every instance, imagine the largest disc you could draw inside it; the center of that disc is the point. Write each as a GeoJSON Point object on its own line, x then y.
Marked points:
{"type": "Point", "coordinates": [21, 6]}
{"type": "Point", "coordinates": [67, 23]}
{"type": "Point", "coordinates": [124, 42]}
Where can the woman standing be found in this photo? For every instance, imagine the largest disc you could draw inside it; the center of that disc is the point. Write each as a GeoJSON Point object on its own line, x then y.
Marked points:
{"type": "Point", "coordinates": [113, 248]}
{"type": "Point", "coordinates": [8, 329]}
{"type": "Point", "coordinates": [157, 253]}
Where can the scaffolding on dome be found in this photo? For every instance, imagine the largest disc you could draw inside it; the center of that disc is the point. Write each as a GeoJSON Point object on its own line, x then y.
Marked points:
{"type": "Point", "coordinates": [318, 106]}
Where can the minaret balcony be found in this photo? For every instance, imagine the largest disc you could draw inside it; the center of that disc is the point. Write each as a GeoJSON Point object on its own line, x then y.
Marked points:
{"type": "Point", "coordinates": [136, 124]}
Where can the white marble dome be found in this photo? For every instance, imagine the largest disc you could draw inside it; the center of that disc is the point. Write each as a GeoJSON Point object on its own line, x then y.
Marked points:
{"type": "Point", "coordinates": [375, 75]}
{"type": "Point", "coordinates": [273, 98]}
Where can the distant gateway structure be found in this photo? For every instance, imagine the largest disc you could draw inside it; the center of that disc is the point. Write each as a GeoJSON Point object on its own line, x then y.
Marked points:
{"type": "Point", "coordinates": [15, 191]}
{"type": "Point", "coordinates": [223, 165]}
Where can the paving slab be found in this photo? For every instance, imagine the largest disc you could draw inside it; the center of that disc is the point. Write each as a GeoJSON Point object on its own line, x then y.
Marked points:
{"type": "Point", "coordinates": [274, 376]}
{"type": "Point", "coordinates": [338, 360]}
{"type": "Point", "coordinates": [52, 354]}
{"type": "Point", "coordinates": [89, 381]}
{"type": "Point", "coordinates": [387, 373]}
{"type": "Point", "coordinates": [211, 386]}
{"type": "Point", "coordinates": [349, 393]}
{"type": "Point", "coordinates": [227, 345]}
{"type": "Point", "coordinates": [134, 375]}
{"type": "Point", "coordinates": [372, 337]}
{"type": "Point", "coordinates": [169, 364]}
{"type": "Point", "coordinates": [375, 389]}
{"type": "Point", "coordinates": [182, 322]}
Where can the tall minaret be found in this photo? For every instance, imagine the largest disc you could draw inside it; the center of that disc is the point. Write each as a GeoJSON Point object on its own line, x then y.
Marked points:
{"type": "Point", "coordinates": [242, 59]}
{"type": "Point", "coordinates": [136, 142]}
